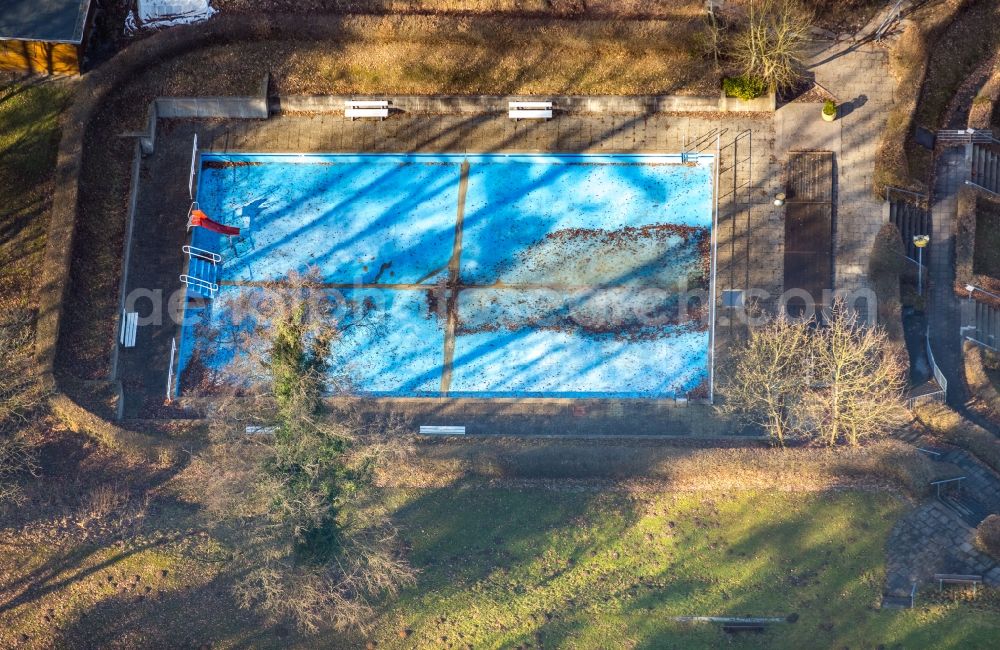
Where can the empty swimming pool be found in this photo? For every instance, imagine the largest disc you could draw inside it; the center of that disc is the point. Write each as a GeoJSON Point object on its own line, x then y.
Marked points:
{"type": "Point", "coordinates": [487, 275]}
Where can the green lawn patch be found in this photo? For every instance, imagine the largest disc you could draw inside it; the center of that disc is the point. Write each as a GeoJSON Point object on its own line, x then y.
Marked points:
{"type": "Point", "coordinates": [569, 568]}
{"type": "Point", "coordinates": [574, 564]}
{"type": "Point", "coordinates": [29, 136]}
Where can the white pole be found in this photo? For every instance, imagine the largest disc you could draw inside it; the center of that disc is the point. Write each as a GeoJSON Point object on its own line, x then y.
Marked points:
{"type": "Point", "coordinates": [920, 271]}
{"type": "Point", "coordinates": [711, 281]}
{"type": "Point", "coordinates": [194, 160]}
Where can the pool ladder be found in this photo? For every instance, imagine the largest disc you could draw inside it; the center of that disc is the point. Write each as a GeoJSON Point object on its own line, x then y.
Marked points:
{"type": "Point", "coordinates": [203, 271]}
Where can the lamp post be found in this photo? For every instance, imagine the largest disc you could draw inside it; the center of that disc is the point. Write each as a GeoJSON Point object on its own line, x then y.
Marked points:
{"type": "Point", "coordinates": [971, 288]}
{"type": "Point", "coordinates": [920, 241]}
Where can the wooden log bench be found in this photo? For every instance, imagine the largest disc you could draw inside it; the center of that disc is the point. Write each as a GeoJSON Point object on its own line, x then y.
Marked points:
{"type": "Point", "coordinates": [957, 579]}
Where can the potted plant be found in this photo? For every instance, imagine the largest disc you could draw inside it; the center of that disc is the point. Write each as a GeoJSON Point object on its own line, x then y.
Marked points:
{"type": "Point", "coordinates": [829, 110]}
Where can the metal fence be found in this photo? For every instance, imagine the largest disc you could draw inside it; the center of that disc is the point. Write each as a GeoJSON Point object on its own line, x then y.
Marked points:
{"type": "Point", "coordinates": [938, 375]}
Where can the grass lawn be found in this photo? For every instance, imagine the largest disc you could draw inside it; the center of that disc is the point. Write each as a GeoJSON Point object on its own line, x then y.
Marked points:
{"type": "Point", "coordinates": [597, 569]}
{"type": "Point", "coordinates": [109, 554]}
{"type": "Point", "coordinates": [987, 251]}
{"type": "Point", "coordinates": [29, 136]}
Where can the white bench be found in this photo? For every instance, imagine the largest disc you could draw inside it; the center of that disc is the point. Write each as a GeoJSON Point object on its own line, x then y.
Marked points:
{"type": "Point", "coordinates": [442, 431]}
{"type": "Point", "coordinates": [958, 579]}
{"type": "Point", "coordinates": [366, 108]}
{"type": "Point", "coordinates": [130, 327]}
{"type": "Point", "coordinates": [529, 110]}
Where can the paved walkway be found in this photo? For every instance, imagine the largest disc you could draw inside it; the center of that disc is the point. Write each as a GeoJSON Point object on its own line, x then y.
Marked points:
{"type": "Point", "coordinates": [934, 538]}
{"type": "Point", "coordinates": [951, 170]}
{"type": "Point", "coordinates": [858, 76]}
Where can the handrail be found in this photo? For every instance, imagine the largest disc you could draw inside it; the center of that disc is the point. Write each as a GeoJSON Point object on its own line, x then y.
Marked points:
{"type": "Point", "coordinates": [938, 484]}
{"type": "Point", "coordinates": [193, 281]}
{"type": "Point", "coordinates": [980, 290]}
{"type": "Point", "coordinates": [947, 480]}
{"type": "Point", "coordinates": [893, 188]}
{"type": "Point", "coordinates": [978, 342]}
{"type": "Point", "coordinates": [194, 206]}
{"type": "Point", "coordinates": [980, 187]}
{"type": "Point", "coordinates": [170, 370]}
{"type": "Point", "coordinates": [893, 15]}
{"type": "Point", "coordinates": [193, 251]}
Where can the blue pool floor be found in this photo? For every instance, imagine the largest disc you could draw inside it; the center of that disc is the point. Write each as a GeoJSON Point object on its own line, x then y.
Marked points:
{"type": "Point", "coordinates": [492, 276]}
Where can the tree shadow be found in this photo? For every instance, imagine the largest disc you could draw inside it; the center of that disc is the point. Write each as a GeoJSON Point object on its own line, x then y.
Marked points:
{"type": "Point", "coordinates": [203, 616]}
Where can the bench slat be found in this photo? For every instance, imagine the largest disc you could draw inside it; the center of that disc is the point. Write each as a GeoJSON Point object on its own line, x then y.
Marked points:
{"type": "Point", "coordinates": [130, 327]}
{"type": "Point", "coordinates": [742, 627]}
{"type": "Point", "coordinates": [442, 430]}
{"type": "Point", "coordinates": [543, 105]}
{"type": "Point", "coordinates": [366, 103]}
{"type": "Point", "coordinates": [366, 112]}
{"type": "Point", "coordinates": [521, 114]}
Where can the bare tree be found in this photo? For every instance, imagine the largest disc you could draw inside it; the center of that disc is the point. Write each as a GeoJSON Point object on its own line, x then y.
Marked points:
{"type": "Point", "coordinates": [291, 480]}
{"type": "Point", "coordinates": [836, 383]}
{"type": "Point", "coordinates": [768, 377]}
{"type": "Point", "coordinates": [858, 380]}
{"type": "Point", "coordinates": [772, 44]}
{"type": "Point", "coordinates": [710, 39]}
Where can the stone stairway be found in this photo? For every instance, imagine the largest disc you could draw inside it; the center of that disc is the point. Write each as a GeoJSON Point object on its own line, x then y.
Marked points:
{"type": "Point", "coordinates": [911, 217]}
{"type": "Point", "coordinates": [986, 167]}
{"type": "Point", "coordinates": [968, 508]}
{"type": "Point", "coordinates": [981, 485]}
{"type": "Point", "coordinates": [938, 535]}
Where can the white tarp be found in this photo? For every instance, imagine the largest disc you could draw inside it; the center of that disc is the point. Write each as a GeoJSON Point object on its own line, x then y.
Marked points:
{"type": "Point", "coordinates": [156, 14]}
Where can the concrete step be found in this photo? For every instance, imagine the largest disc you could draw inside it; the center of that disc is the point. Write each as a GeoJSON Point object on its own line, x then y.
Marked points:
{"type": "Point", "coordinates": [890, 601]}
{"type": "Point", "coordinates": [910, 219]}
{"type": "Point", "coordinates": [986, 168]}
{"type": "Point", "coordinates": [968, 509]}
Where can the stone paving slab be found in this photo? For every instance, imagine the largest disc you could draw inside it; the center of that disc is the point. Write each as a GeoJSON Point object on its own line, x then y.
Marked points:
{"type": "Point", "coordinates": [932, 538]}
{"type": "Point", "coordinates": [858, 76]}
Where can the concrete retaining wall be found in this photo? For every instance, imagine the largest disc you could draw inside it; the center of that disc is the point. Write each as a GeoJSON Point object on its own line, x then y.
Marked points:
{"type": "Point", "coordinates": [261, 107]}
{"type": "Point", "coordinates": [638, 104]}
{"type": "Point", "coordinates": [252, 108]}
